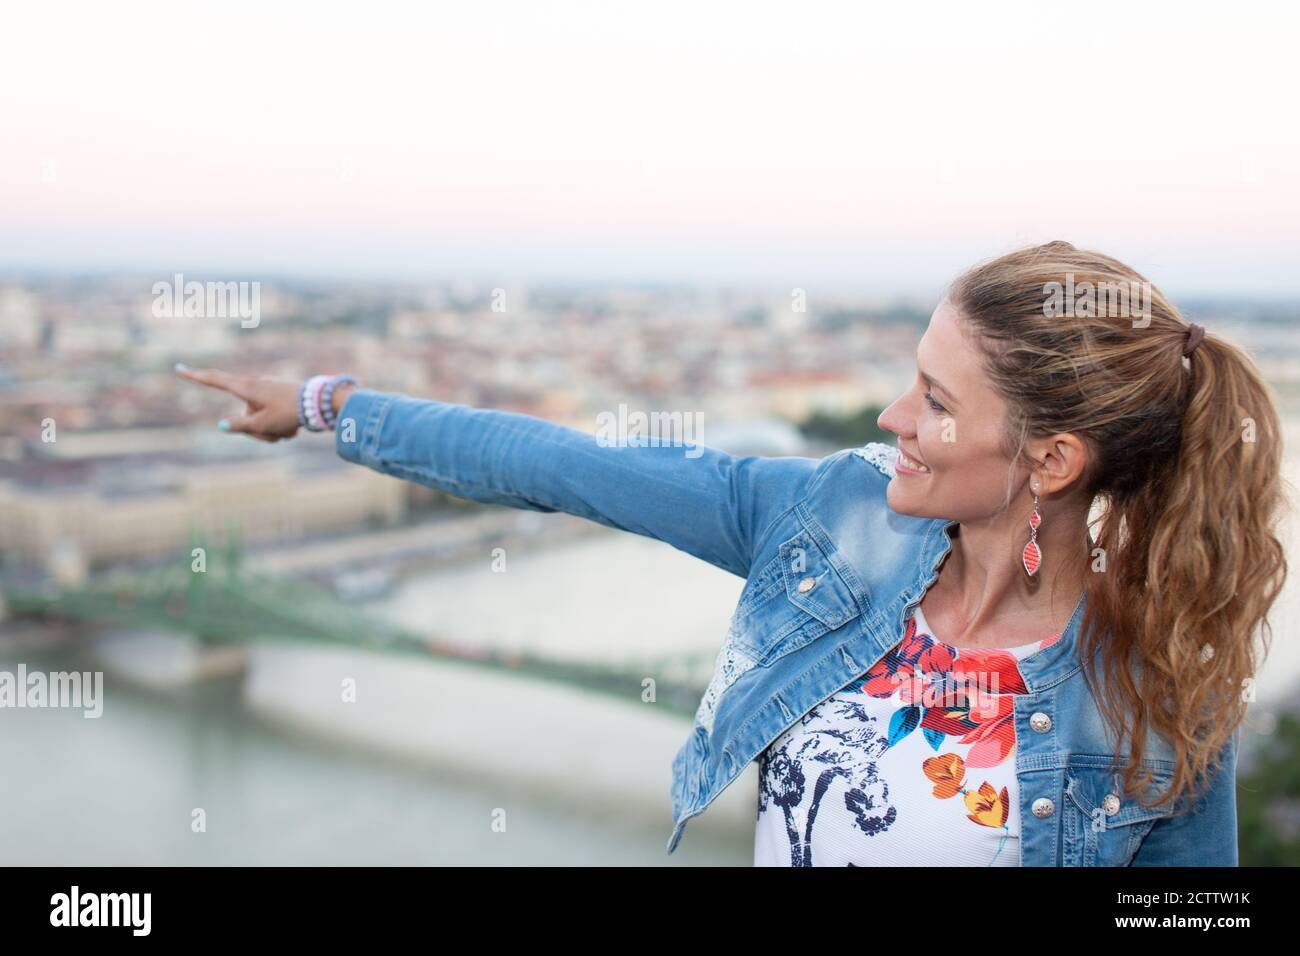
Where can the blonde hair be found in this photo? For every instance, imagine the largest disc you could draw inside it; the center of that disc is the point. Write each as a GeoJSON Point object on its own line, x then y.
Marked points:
{"type": "Point", "coordinates": [1185, 466]}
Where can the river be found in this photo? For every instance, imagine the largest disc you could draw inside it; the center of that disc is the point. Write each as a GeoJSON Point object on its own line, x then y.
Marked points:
{"type": "Point", "coordinates": [432, 758]}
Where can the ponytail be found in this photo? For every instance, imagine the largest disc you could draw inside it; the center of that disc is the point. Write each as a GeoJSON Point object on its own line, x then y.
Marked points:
{"type": "Point", "coordinates": [1185, 476]}
{"type": "Point", "coordinates": [1197, 564]}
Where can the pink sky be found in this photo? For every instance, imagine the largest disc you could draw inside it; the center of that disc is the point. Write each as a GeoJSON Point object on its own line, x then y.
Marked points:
{"type": "Point", "coordinates": [822, 142]}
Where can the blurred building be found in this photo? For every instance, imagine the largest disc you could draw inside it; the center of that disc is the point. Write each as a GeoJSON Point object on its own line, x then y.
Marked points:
{"type": "Point", "coordinates": [135, 501]}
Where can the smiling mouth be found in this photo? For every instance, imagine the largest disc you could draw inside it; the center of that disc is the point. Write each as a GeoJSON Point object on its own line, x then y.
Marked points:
{"type": "Point", "coordinates": [911, 464]}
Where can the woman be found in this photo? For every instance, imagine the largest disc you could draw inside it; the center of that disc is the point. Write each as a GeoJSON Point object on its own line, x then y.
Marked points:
{"type": "Point", "coordinates": [942, 653]}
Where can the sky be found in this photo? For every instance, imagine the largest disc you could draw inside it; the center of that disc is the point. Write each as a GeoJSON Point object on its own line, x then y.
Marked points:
{"type": "Point", "coordinates": [881, 147]}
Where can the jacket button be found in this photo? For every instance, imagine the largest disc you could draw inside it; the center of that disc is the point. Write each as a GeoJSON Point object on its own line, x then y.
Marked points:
{"type": "Point", "coordinates": [1040, 722]}
{"type": "Point", "coordinates": [806, 585]}
{"type": "Point", "coordinates": [1043, 807]}
{"type": "Point", "coordinates": [1110, 804]}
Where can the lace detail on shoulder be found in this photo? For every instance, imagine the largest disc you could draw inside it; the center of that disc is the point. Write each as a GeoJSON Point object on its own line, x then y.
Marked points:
{"type": "Point", "coordinates": [879, 454]}
{"type": "Point", "coordinates": [730, 664]}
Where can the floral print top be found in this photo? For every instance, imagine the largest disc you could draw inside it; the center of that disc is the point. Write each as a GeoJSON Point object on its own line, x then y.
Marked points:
{"type": "Point", "coordinates": [911, 764]}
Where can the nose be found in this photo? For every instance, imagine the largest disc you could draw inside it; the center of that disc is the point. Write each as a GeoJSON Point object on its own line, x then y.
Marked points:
{"type": "Point", "coordinates": [897, 419]}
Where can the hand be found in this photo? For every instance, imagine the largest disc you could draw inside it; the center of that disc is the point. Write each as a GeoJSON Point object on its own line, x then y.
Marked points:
{"type": "Point", "coordinates": [272, 411]}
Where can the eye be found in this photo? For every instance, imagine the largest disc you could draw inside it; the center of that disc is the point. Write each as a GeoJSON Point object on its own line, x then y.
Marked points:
{"type": "Point", "coordinates": [933, 404]}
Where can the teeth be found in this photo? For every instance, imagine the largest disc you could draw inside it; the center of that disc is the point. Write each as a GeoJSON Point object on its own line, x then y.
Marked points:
{"type": "Point", "coordinates": [910, 463]}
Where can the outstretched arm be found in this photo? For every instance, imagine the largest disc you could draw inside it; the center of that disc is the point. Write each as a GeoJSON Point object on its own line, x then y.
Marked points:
{"type": "Point", "coordinates": [700, 500]}
{"type": "Point", "coordinates": [705, 502]}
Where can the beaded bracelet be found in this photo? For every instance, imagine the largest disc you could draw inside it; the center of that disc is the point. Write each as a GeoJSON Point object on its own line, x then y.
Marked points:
{"type": "Point", "coordinates": [327, 397]}
{"type": "Point", "coordinates": [316, 401]}
{"type": "Point", "coordinates": [308, 409]}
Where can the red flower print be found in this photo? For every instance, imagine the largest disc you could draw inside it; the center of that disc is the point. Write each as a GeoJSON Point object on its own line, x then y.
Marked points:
{"type": "Point", "coordinates": [898, 665]}
{"type": "Point", "coordinates": [994, 735]}
{"type": "Point", "coordinates": [995, 668]}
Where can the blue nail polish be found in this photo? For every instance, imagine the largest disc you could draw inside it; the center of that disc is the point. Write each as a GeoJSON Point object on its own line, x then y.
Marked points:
{"type": "Point", "coordinates": [181, 367]}
{"type": "Point", "coordinates": [224, 425]}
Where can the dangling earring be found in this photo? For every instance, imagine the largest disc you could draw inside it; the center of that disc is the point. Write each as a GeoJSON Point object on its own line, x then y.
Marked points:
{"type": "Point", "coordinates": [1032, 556]}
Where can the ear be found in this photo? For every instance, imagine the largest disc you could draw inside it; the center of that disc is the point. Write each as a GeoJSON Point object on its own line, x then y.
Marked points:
{"type": "Point", "coordinates": [1062, 458]}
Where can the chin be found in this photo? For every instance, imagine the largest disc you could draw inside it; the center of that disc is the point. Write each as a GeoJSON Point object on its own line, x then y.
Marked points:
{"type": "Point", "coordinates": [907, 502]}
{"type": "Point", "coordinates": [900, 501]}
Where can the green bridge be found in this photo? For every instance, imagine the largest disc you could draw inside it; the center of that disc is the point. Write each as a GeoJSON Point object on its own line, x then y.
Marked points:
{"type": "Point", "coordinates": [223, 604]}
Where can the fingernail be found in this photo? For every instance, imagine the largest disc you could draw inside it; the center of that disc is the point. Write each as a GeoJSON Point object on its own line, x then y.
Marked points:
{"type": "Point", "coordinates": [182, 367]}
{"type": "Point", "coordinates": [224, 425]}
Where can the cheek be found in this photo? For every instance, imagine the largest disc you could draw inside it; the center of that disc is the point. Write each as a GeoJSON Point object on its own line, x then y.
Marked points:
{"type": "Point", "coordinates": [937, 439]}
{"type": "Point", "coordinates": [965, 469]}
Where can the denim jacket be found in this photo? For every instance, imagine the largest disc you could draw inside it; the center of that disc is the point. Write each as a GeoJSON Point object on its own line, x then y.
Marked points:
{"type": "Point", "coordinates": [831, 574]}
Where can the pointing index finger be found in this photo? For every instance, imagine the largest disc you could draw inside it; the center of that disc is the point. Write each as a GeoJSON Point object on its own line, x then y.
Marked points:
{"type": "Point", "coordinates": [214, 378]}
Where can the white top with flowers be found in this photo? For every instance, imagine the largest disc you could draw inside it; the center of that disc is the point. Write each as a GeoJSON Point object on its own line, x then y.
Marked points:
{"type": "Point", "coordinates": [911, 764]}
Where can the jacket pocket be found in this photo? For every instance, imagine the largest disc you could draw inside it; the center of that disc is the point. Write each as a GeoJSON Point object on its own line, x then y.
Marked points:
{"type": "Point", "coordinates": [1102, 827]}
{"type": "Point", "coordinates": [795, 598]}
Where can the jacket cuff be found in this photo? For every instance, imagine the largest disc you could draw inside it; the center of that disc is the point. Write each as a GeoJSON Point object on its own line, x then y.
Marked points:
{"type": "Point", "coordinates": [356, 433]}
